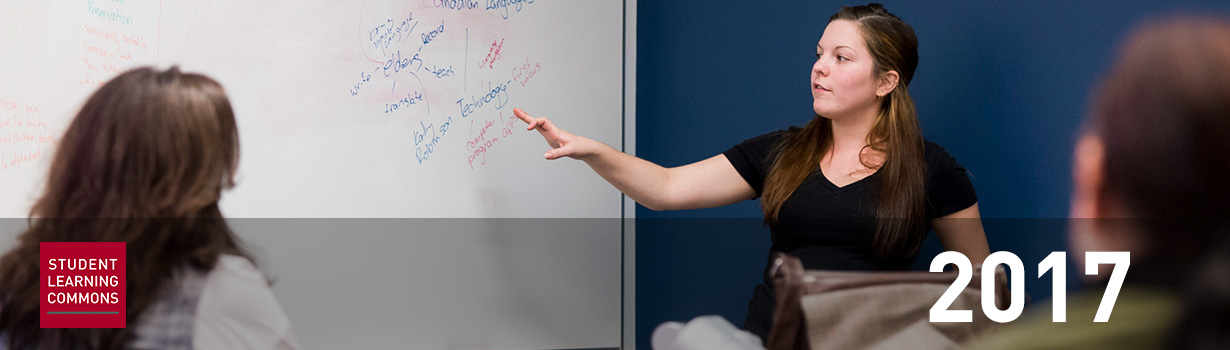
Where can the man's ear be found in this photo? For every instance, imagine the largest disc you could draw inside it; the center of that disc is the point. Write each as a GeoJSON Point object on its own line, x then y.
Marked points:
{"type": "Point", "coordinates": [888, 83]}
{"type": "Point", "coordinates": [1085, 231]}
{"type": "Point", "coordinates": [1087, 175]}
{"type": "Point", "coordinates": [1095, 222]}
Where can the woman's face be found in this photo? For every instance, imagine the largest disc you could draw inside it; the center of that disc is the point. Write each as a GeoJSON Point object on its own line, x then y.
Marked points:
{"type": "Point", "coordinates": [842, 80]}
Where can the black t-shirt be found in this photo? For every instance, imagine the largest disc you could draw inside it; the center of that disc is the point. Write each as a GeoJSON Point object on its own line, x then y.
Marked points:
{"type": "Point", "coordinates": [832, 228]}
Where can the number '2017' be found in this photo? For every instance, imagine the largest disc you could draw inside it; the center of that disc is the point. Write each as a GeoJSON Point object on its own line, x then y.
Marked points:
{"type": "Point", "coordinates": [1056, 262]}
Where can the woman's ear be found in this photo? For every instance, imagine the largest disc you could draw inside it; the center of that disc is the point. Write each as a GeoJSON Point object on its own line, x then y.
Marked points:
{"type": "Point", "coordinates": [888, 82]}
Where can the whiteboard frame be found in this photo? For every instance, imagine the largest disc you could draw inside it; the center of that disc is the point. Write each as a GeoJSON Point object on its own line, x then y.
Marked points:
{"type": "Point", "coordinates": [628, 319]}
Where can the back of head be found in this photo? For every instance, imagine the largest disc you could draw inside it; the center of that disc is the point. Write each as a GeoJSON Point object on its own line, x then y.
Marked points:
{"type": "Point", "coordinates": [144, 162]}
{"type": "Point", "coordinates": [1162, 115]}
{"type": "Point", "coordinates": [147, 144]}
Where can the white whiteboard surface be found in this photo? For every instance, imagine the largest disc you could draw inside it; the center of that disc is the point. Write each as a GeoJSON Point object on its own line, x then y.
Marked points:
{"type": "Point", "coordinates": [342, 109]}
{"type": "Point", "coordinates": [323, 131]}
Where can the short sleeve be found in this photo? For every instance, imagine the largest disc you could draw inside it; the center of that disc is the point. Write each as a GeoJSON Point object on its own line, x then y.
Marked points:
{"type": "Point", "coordinates": [238, 310]}
{"type": "Point", "coordinates": [753, 157]}
{"type": "Point", "coordinates": [948, 187]}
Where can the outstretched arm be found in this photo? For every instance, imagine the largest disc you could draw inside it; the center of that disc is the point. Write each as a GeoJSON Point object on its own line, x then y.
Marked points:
{"type": "Point", "coordinates": [708, 183]}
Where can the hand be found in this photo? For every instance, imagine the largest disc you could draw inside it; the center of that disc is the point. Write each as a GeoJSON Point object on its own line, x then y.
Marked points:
{"type": "Point", "coordinates": [563, 143]}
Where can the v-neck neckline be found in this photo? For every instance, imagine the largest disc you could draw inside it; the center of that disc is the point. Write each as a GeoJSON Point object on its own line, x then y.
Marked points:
{"type": "Point", "coordinates": [834, 188]}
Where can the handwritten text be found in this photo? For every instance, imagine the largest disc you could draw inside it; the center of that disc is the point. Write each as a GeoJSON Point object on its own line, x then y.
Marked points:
{"type": "Point", "coordinates": [504, 4]}
{"type": "Point", "coordinates": [493, 54]}
{"type": "Point", "coordinates": [525, 72]}
{"type": "Point", "coordinates": [425, 146]}
{"type": "Point", "coordinates": [411, 99]}
{"type": "Point", "coordinates": [385, 34]}
{"type": "Point", "coordinates": [499, 94]}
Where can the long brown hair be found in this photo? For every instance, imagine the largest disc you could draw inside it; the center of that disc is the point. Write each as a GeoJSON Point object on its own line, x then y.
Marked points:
{"type": "Point", "coordinates": [895, 133]}
{"type": "Point", "coordinates": [144, 162]}
{"type": "Point", "coordinates": [1163, 115]}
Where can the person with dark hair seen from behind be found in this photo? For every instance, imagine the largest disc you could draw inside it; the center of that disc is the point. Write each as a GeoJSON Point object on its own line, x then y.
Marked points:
{"type": "Point", "coordinates": [1150, 178]}
{"type": "Point", "coordinates": [857, 188]}
{"type": "Point", "coordinates": [145, 162]}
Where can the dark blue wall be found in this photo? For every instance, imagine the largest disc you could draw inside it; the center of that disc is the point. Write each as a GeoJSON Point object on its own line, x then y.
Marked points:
{"type": "Point", "coordinates": [1002, 85]}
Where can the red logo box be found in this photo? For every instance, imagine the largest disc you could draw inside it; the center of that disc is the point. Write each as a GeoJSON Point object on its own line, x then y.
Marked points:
{"type": "Point", "coordinates": [82, 285]}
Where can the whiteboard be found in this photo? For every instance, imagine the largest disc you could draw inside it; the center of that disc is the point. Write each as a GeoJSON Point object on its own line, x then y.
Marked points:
{"type": "Point", "coordinates": [355, 110]}
{"type": "Point", "coordinates": [343, 110]}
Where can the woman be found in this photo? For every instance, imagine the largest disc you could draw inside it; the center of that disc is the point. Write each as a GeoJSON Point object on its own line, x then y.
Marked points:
{"type": "Point", "coordinates": [145, 162]}
{"type": "Point", "coordinates": [1150, 179]}
{"type": "Point", "coordinates": [856, 189]}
